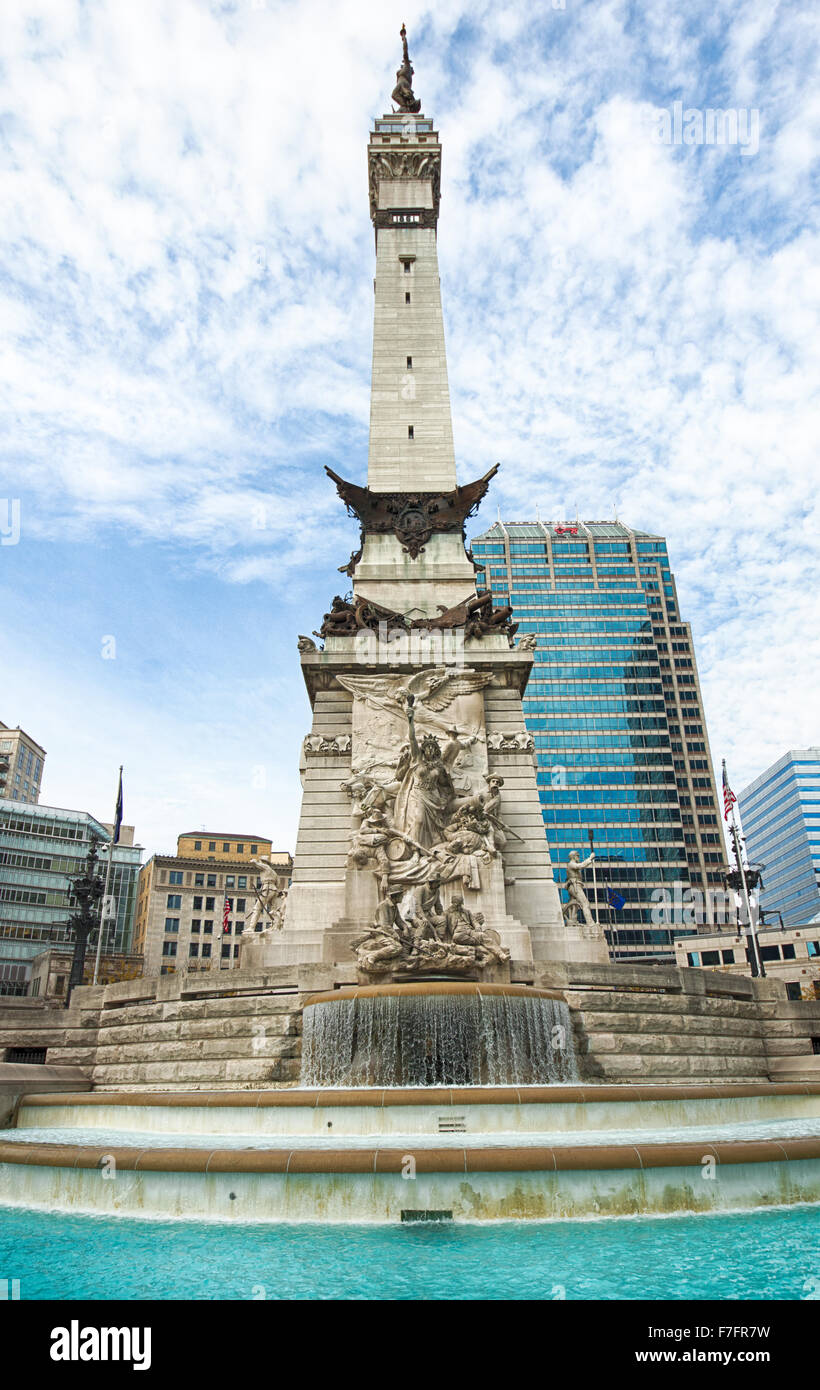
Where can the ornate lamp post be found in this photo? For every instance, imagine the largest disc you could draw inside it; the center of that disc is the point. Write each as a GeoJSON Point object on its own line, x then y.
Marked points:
{"type": "Point", "coordinates": [742, 880]}
{"type": "Point", "coordinates": [88, 889]}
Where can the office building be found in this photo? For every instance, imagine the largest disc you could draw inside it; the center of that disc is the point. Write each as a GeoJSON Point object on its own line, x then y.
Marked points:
{"type": "Point", "coordinates": [51, 968]}
{"type": "Point", "coordinates": [21, 765]}
{"type": "Point", "coordinates": [780, 813]}
{"type": "Point", "coordinates": [615, 708]}
{"type": "Point", "coordinates": [42, 849]}
{"type": "Point", "coordinates": [181, 919]}
{"type": "Point", "coordinates": [791, 954]}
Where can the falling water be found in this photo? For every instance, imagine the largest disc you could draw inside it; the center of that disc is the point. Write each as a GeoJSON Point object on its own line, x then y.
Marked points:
{"type": "Point", "coordinates": [437, 1040]}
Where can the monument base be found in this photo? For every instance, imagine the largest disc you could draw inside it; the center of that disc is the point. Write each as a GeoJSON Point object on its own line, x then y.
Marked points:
{"type": "Point", "coordinates": [223, 1029]}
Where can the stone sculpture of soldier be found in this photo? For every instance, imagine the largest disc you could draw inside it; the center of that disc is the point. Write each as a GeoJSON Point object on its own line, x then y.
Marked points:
{"type": "Point", "coordinates": [269, 908]}
{"type": "Point", "coordinates": [575, 890]}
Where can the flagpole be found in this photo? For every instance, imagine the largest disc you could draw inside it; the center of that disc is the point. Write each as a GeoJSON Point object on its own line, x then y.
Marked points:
{"type": "Point", "coordinates": [594, 876]}
{"type": "Point", "coordinates": [114, 831]}
{"type": "Point", "coordinates": [227, 909]}
{"type": "Point", "coordinates": [739, 857]}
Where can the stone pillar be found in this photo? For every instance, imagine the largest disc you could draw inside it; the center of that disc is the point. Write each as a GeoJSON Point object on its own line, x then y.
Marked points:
{"type": "Point", "coordinates": [405, 170]}
{"type": "Point", "coordinates": [316, 897]}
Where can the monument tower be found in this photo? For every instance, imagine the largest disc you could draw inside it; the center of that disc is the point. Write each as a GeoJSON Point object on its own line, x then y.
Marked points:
{"type": "Point", "coordinates": [421, 846]}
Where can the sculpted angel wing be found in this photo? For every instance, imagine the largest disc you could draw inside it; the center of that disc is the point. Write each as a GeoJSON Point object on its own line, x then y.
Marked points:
{"type": "Point", "coordinates": [456, 683]}
{"type": "Point", "coordinates": [372, 689]}
{"type": "Point", "coordinates": [423, 684]}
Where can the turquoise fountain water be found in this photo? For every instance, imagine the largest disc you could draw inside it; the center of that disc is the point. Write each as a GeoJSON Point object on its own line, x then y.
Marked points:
{"type": "Point", "coordinates": [749, 1255]}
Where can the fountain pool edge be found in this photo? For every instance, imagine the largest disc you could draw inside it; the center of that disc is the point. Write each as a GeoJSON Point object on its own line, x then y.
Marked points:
{"type": "Point", "coordinates": [379, 1185]}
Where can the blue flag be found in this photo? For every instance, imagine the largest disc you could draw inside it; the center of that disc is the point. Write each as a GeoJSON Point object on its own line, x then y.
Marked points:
{"type": "Point", "coordinates": [118, 814]}
{"type": "Point", "coordinates": [614, 899]}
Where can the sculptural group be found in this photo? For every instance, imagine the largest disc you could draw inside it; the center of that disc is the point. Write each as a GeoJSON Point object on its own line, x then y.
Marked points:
{"type": "Point", "coordinates": [427, 938]}
{"type": "Point", "coordinates": [416, 830]}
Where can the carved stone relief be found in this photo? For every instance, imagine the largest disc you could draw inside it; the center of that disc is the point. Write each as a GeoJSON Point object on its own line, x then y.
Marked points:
{"type": "Point", "coordinates": [317, 743]}
{"type": "Point", "coordinates": [427, 939]}
{"type": "Point", "coordinates": [520, 742]}
{"type": "Point", "coordinates": [425, 813]}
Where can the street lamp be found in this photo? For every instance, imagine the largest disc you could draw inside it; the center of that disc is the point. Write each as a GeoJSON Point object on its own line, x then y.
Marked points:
{"type": "Point", "coordinates": [88, 889]}
{"type": "Point", "coordinates": [742, 880]}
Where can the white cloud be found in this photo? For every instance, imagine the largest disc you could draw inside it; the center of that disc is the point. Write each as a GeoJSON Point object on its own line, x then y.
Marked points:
{"type": "Point", "coordinates": [185, 292]}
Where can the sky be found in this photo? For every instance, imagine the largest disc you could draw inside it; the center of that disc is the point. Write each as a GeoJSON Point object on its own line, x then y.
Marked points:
{"type": "Point", "coordinates": [186, 263]}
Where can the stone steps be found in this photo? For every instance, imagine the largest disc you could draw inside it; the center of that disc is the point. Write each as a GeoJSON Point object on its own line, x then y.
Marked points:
{"type": "Point", "coordinates": [212, 1008]}
{"type": "Point", "coordinates": [73, 1055]}
{"type": "Point", "coordinates": [690, 1044]}
{"type": "Point", "coordinates": [208, 1074]}
{"type": "Point", "coordinates": [174, 1030]}
{"type": "Point", "coordinates": [653, 1036]}
{"type": "Point", "coordinates": [788, 1047]}
{"type": "Point", "coordinates": [215, 1042]}
{"type": "Point", "coordinates": [620, 1066]}
{"type": "Point", "coordinates": [193, 1049]}
{"type": "Point", "coordinates": [623, 1022]}
{"type": "Point", "coordinates": [604, 1001]}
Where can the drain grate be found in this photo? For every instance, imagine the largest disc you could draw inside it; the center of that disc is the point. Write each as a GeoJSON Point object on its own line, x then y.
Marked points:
{"type": "Point", "coordinates": [419, 1214]}
{"type": "Point", "coordinates": [26, 1054]}
{"type": "Point", "coordinates": [452, 1124]}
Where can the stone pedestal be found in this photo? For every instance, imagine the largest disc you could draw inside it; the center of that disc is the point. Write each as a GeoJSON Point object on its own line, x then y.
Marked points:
{"type": "Point", "coordinates": [358, 728]}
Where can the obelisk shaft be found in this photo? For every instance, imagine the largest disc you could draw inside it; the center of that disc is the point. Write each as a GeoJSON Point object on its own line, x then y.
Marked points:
{"type": "Point", "coordinates": [411, 432]}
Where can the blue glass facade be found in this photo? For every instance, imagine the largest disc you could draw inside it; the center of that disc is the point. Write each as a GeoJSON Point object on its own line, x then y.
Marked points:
{"type": "Point", "coordinates": [780, 812]}
{"type": "Point", "coordinates": [615, 710]}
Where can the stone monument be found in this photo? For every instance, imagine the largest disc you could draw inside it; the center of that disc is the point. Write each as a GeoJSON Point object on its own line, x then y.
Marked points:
{"type": "Point", "coordinates": [421, 847]}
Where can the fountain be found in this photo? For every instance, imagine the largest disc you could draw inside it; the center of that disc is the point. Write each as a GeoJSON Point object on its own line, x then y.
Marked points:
{"type": "Point", "coordinates": [422, 952]}
{"type": "Point", "coordinates": [437, 1034]}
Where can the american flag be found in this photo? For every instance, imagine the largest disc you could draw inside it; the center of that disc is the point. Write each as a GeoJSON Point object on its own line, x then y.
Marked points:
{"type": "Point", "coordinates": [729, 797]}
{"type": "Point", "coordinates": [226, 912]}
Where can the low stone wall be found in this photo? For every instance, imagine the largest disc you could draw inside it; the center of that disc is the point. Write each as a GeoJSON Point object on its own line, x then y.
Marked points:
{"type": "Point", "coordinates": [173, 1031]}
{"type": "Point", "coordinates": [241, 1030]}
{"type": "Point", "coordinates": [18, 1079]}
{"type": "Point", "coordinates": [665, 1024]}
{"type": "Point", "coordinates": [68, 1035]}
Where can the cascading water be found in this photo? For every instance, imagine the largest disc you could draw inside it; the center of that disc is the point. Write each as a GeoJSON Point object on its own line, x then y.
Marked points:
{"type": "Point", "coordinates": [437, 1039]}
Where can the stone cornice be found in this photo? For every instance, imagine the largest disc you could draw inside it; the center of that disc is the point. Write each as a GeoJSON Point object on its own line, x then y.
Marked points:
{"type": "Point", "coordinates": [397, 163]}
{"type": "Point", "coordinates": [511, 666]}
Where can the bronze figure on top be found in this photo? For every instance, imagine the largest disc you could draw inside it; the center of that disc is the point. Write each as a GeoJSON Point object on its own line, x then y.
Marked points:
{"type": "Point", "coordinates": [403, 90]}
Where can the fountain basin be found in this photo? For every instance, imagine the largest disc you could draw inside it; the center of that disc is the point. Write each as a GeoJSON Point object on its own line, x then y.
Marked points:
{"type": "Point", "coordinates": [419, 1111]}
{"type": "Point", "coordinates": [481, 1154]}
{"type": "Point", "coordinates": [393, 1184]}
{"type": "Point", "coordinates": [416, 987]}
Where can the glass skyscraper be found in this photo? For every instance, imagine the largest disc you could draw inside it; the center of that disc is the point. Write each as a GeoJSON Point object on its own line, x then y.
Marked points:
{"type": "Point", "coordinates": [41, 849]}
{"type": "Point", "coordinates": [780, 812]}
{"type": "Point", "coordinates": [615, 709]}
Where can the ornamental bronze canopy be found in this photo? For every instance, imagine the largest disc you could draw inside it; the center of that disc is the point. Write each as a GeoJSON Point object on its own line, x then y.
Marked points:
{"type": "Point", "coordinates": [412, 516]}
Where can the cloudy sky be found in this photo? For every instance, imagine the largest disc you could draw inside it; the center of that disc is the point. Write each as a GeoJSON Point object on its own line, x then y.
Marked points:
{"type": "Point", "coordinates": [186, 298]}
